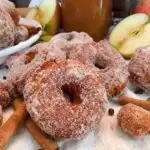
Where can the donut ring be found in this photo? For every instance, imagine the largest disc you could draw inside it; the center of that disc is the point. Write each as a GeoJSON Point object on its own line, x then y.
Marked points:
{"type": "Point", "coordinates": [134, 120]}
{"type": "Point", "coordinates": [7, 31]}
{"type": "Point", "coordinates": [11, 9]}
{"type": "Point", "coordinates": [68, 85]}
{"type": "Point", "coordinates": [25, 65]}
{"type": "Point", "coordinates": [85, 53]}
{"type": "Point", "coordinates": [1, 115]}
{"type": "Point", "coordinates": [139, 68]}
{"type": "Point", "coordinates": [108, 64]}
{"type": "Point", "coordinates": [6, 93]}
{"type": "Point", "coordinates": [21, 34]}
{"type": "Point", "coordinates": [65, 40]}
{"type": "Point", "coordinates": [112, 68]}
{"type": "Point", "coordinates": [53, 50]}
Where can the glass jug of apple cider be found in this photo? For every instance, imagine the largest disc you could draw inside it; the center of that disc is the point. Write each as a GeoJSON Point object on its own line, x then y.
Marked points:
{"type": "Point", "coordinates": [90, 16]}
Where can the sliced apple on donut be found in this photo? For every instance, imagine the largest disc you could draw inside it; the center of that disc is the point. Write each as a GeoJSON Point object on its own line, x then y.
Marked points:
{"type": "Point", "coordinates": [131, 33]}
{"type": "Point", "coordinates": [48, 14]}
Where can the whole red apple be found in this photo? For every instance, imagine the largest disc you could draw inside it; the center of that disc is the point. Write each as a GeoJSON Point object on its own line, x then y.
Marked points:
{"type": "Point", "coordinates": [143, 7]}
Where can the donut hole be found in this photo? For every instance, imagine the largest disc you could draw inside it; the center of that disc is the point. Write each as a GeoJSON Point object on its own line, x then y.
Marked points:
{"type": "Point", "coordinates": [29, 57]}
{"type": "Point", "coordinates": [100, 66]}
{"type": "Point", "coordinates": [69, 37]}
{"type": "Point", "coordinates": [72, 93]}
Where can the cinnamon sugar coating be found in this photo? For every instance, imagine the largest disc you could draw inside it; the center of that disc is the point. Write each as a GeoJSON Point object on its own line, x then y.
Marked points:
{"type": "Point", "coordinates": [21, 34]}
{"type": "Point", "coordinates": [25, 65]}
{"type": "Point", "coordinates": [111, 67]}
{"type": "Point", "coordinates": [10, 60]}
{"type": "Point", "coordinates": [134, 120]}
{"type": "Point", "coordinates": [139, 68]}
{"type": "Point", "coordinates": [9, 19]}
{"type": "Point", "coordinates": [107, 63]}
{"type": "Point", "coordinates": [7, 29]}
{"type": "Point", "coordinates": [65, 40]}
{"type": "Point", "coordinates": [6, 93]}
{"type": "Point", "coordinates": [1, 115]}
{"type": "Point", "coordinates": [100, 57]}
{"type": "Point", "coordinates": [11, 32]}
{"type": "Point", "coordinates": [11, 9]}
{"type": "Point", "coordinates": [85, 53]}
{"type": "Point", "coordinates": [36, 55]}
{"type": "Point", "coordinates": [72, 73]}
{"type": "Point", "coordinates": [65, 99]}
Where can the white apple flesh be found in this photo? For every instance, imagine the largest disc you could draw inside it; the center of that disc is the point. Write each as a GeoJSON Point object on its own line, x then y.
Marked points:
{"type": "Point", "coordinates": [47, 13]}
{"type": "Point", "coordinates": [141, 39]}
{"type": "Point", "coordinates": [131, 33]}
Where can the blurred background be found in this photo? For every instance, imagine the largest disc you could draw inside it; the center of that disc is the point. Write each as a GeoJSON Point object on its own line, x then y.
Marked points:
{"type": "Point", "coordinates": [121, 8]}
{"type": "Point", "coordinates": [21, 3]}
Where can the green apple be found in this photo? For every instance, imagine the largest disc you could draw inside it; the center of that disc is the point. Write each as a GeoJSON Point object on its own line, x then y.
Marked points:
{"type": "Point", "coordinates": [46, 38]}
{"type": "Point", "coordinates": [48, 14]}
{"type": "Point", "coordinates": [131, 33]}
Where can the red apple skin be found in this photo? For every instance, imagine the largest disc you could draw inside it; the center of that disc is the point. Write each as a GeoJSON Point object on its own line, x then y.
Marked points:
{"type": "Point", "coordinates": [143, 7]}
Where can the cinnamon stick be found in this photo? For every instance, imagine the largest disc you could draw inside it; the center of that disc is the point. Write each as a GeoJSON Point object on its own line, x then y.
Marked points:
{"type": "Point", "coordinates": [45, 141]}
{"type": "Point", "coordinates": [9, 128]}
{"type": "Point", "coordinates": [123, 100]}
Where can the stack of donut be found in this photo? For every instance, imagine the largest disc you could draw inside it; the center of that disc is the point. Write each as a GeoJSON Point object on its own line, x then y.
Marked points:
{"type": "Point", "coordinates": [65, 82]}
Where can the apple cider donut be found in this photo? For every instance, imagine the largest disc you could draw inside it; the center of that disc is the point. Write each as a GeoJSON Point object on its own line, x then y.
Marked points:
{"type": "Point", "coordinates": [6, 93]}
{"type": "Point", "coordinates": [65, 40]}
{"type": "Point", "coordinates": [11, 10]}
{"type": "Point", "coordinates": [7, 29]}
{"type": "Point", "coordinates": [25, 65]}
{"type": "Point", "coordinates": [65, 99]}
{"type": "Point", "coordinates": [21, 34]}
{"type": "Point", "coordinates": [1, 115]}
{"type": "Point", "coordinates": [52, 50]}
{"type": "Point", "coordinates": [107, 63]}
{"type": "Point", "coordinates": [10, 60]}
{"type": "Point", "coordinates": [134, 120]}
{"type": "Point", "coordinates": [85, 53]}
{"type": "Point", "coordinates": [139, 68]}
{"type": "Point", "coordinates": [111, 67]}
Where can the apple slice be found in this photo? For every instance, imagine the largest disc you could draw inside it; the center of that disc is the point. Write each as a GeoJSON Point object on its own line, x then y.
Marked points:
{"type": "Point", "coordinates": [48, 14]}
{"type": "Point", "coordinates": [32, 13]}
{"type": "Point", "coordinates": [126, 29]}
{"type": "Point", "coordinates": [45, 38]}
{"type": "Point", "coordinates": [140, 39]}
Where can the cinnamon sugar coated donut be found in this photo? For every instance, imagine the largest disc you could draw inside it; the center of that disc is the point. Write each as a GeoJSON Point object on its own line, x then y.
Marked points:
{"type": "Point", "coordinates": [100, 57]}
{"type": "Point", "coordinates": [10, 60]}
{"type": "Point", "coordinates": [6, 93]}
{"type": "Point", "coordinates": [139, 68]}
{"type": "Point", "coordinates": [73, 73]}
{"type": "Point", "coordinates": [65, 40]}
{"type": "Point", "coordinates": [65, 99]}
{"type": "Point", "coordinates": [111, 67]}
{"type": "Point", "coordinates": [10, 8]}
{"type": "Point", "coordinates": [21, 34]}
{"type": "Point", "coordinates": [107, 63]}
{"type": "Point", "coordinates": [1, 115]}
{"type": "Point", "coordinates": [85, 53]}
{"type": "Point", "coordinates": [134, 120]}
{"type": "Point", "coordinates": [7, 29]}
{"type": "Point", "coordinates": [26, 63]}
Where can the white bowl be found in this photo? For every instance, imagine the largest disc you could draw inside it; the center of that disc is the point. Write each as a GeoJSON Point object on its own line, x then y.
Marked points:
{"type": "Point", "coordinates": [4, 53]}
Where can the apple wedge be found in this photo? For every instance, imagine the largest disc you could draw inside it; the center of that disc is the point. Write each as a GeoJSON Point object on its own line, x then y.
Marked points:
{"type": "Point", "coordinates": [141, 39]}
{"type": "Point", "coordinates": [45, 38]}
{"type": "Point", "coordinates": [48, 14]}
{"type": "Point", "coordinates": [131, 33]}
